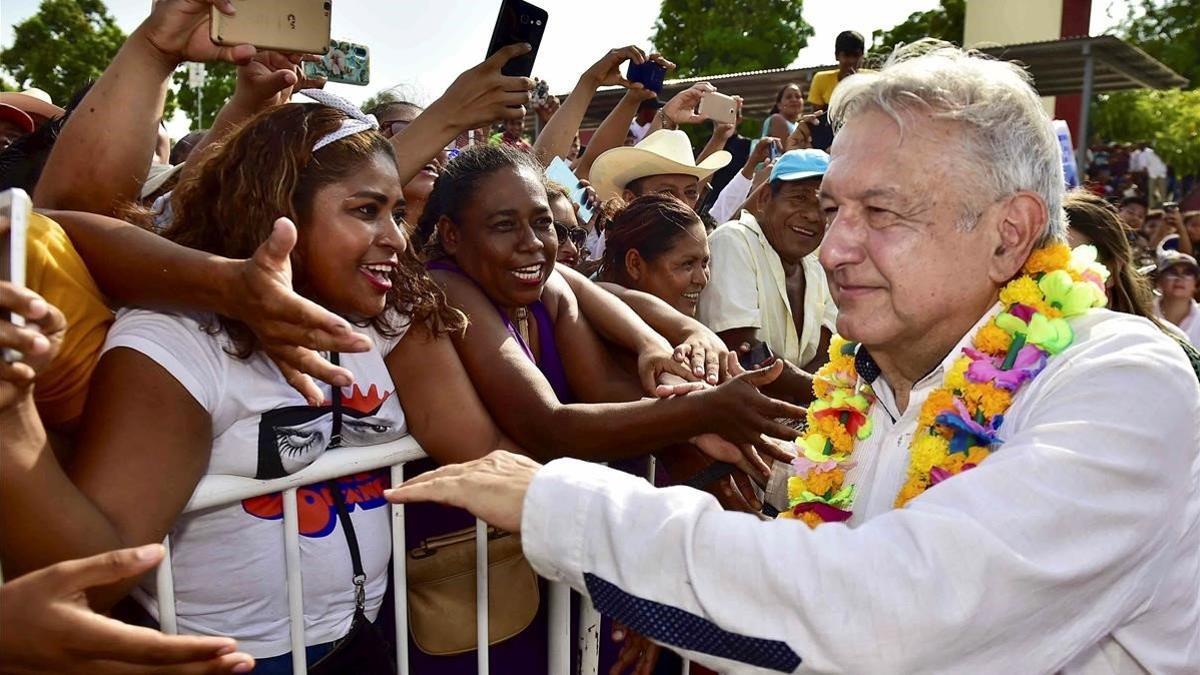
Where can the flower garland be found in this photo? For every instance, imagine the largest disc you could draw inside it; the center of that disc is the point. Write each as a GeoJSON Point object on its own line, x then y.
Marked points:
{"type": "Point", "coordinates": [958, 424]}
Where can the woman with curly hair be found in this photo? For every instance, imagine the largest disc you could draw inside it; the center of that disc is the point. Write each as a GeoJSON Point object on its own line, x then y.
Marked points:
{"type": "Point", "coordinates": [219, 405]}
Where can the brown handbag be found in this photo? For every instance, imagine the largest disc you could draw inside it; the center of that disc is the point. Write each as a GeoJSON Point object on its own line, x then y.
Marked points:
{"type": "Point", "coordinates": [441, 591]}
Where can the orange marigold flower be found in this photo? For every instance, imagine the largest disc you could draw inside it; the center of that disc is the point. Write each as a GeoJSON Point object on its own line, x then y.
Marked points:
{"type": "Point", "coordinates": [1022, 290]}
{"type": "Point", "coordinates": [993, 340]}
{"type": "Point", "coordinates": [1048, 259]}
{"type": "Point", "coordinates": [811, 519]}
{"type": "Point", "coordinates": [911, 490]}
{"type": "Point", "coordinates": [821, 482]}
{"type": "Point", "coordinates": [988, 398]}
{"type": "Point", "coordinates": [938, 402]}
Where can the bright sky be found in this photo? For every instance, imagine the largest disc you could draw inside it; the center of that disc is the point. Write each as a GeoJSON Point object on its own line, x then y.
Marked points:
{"type": "Point", "coordinates": [421, 49]}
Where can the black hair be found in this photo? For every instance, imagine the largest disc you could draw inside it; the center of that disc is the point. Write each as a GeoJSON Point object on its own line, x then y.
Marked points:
{"type": "Point", "coordinates": [849, 42]}
{"type": "Point", "coordinates": [458, 181]}
{"type": "Point", "coordinates": [1135, 199]}
{"type": "Point", "coordinates": [650, 225]}
{"type": "Point", "coordinates": [779, 96]}
{"type": "Point", "coordinates": [21, 163]}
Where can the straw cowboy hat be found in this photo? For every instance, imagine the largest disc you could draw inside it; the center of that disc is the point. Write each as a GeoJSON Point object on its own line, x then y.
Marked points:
{"type": "Point", "coordinates": [662, 152]}
{"type": "Point", "coordinates": [33, 102]}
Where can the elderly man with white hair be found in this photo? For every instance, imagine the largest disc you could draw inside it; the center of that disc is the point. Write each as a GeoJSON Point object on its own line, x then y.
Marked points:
{"type": "Point", "coordinates": [998, 476]}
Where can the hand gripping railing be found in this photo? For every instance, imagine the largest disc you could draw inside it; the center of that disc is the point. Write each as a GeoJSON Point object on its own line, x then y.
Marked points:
{"type": "Point", "coordinates": [224, 490]}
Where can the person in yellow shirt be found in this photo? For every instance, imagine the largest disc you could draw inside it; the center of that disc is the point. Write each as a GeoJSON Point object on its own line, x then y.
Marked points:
{"type": "Point", "coordinates": [848, 50]}
{"type": "Point", "coordinates": [55, 271]}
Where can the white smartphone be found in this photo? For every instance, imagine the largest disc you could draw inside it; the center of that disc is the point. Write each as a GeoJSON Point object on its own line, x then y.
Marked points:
{"type": "Point", "coordinates": [719, 107]}
{"type": "Point", "coordinates": [15, 207]}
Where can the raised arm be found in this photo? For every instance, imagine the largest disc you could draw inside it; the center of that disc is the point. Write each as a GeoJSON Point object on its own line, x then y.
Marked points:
{"type": "Point", "coordinates": [102, 155]}
{"type": "Point", "coordinates": [477, 97]}
{"type": "Point", "coordinates": [555, 139]}
{"type": "Point", "coordinates": [135, 267]}
{"type": "Point", "coordinates": [613, 129]}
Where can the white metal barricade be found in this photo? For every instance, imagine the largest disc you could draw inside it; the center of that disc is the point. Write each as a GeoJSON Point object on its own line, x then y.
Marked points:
{"type": "Point", "coordinates": [224, 490]}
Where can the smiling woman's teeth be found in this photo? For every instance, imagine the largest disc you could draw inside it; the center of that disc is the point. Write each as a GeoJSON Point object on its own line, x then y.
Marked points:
{"type": "Point", "coordinates": [529, 273]}
{"type": "Point", "coordinates": [694, 297]}
{"type": "Point", "coordinates": [801, 230]}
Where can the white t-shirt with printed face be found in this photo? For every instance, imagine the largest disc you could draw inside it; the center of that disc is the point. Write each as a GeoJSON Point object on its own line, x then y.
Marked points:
{"type": "Point", "coordinates": [228, 562]}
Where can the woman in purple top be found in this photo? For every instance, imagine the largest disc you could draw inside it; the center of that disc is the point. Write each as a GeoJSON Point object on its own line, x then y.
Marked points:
{"type": "Point", "coordinates": [547, 371]}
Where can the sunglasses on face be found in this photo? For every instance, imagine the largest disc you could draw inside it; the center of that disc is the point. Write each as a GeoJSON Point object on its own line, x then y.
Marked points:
{"type": "Point", "coordinates": [577, 235]}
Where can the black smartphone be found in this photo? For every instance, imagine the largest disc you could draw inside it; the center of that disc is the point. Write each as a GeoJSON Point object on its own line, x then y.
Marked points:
{"type": "Point", "coordinates": [650, 74]}
{"type": "Point", "coordinates": [759, 356]}
{"type": "Point", "coordinates": [518, 21]}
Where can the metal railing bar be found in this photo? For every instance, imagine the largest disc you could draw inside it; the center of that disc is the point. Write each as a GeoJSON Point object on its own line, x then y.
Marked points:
{"type": "Point", "coordinates": [295, 585]}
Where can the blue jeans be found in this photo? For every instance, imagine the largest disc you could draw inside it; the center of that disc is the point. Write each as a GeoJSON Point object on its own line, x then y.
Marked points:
{"type": "Point", "coordinates": [282, 664]}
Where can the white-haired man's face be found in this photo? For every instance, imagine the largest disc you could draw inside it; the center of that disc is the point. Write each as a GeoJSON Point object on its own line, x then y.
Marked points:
{"type": "Point", "coordinates": [904, 275]}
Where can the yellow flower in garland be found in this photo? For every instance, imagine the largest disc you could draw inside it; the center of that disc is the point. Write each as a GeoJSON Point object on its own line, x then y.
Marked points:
{"type": "Point", "coordinates": [928, 451]}
{"type": "Point", "coordinates": [1048, 259]}
{"type": "Point", "coordinates": [956, 378]}
{"type": "Point", "coordinates": [1025, 291]}
{"type": "Point", "coordinates": [939, 401]}
{"type": "Point", "coordinates": [817, 482]}
{"type": "Point", "coordinates": [911, 490]}
{"type": "Point", "coordinates": [993, 339]}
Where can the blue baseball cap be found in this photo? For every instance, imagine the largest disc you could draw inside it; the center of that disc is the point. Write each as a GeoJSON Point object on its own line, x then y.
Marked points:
{"type": "Point", "coordinates": [800, 164]}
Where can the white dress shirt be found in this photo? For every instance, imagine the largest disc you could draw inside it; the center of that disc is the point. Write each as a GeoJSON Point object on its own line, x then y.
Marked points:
{"type": "Point", "coordinates": [732, 196]}
{"type": "Point", "coordinates": [1190, 326]}
{"type": "Point", "coordinates": [1075, 548]}
{"type": "Point", "coordinates": [747, 289]}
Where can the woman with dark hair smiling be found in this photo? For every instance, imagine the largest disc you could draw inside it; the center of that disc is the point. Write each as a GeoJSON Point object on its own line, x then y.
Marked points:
{"type": "Point", "coordinates": [536, 360]}
{"type": "Point", "coordinates": [657, 245]}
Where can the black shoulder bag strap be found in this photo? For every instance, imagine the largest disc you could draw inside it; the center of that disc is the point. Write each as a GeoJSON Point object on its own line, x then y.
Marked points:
{"type": "Point", "coordinates": [339, 501]}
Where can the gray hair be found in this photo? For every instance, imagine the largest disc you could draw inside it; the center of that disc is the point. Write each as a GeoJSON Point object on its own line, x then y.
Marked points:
{"type": "Point", "coordinates": [1009, 143]}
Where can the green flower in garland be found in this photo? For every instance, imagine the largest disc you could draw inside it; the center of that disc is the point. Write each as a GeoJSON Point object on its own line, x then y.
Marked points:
{"type": "Point", "coordinates": [1069, 296]}
{"type": "Point", "coordinates": [1052, 335]}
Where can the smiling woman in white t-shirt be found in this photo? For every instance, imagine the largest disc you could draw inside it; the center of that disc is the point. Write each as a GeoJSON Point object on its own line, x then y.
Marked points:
{"type": "Point", "coordinates": [179, 396]}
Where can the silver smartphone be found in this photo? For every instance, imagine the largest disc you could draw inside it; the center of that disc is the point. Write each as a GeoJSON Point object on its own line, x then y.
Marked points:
{"type": "Point", "coordinates": [15, 207]}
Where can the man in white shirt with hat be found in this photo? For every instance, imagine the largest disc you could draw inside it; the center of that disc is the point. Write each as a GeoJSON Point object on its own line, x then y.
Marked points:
{"type": "Point", "coordinates": [1013, 473]}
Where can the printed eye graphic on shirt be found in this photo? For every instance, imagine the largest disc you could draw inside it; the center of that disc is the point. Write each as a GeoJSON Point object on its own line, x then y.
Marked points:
{"type": "Point", "coordinates": [291, 438]}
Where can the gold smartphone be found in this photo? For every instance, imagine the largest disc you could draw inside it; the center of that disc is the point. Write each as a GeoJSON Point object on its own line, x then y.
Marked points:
{"type": "Point", "coordinates": [279, 25]}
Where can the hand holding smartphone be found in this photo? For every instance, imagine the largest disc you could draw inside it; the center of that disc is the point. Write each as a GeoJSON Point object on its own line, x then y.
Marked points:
{"type": "Point", "coordinates": [759, 356]}
{"type": "Point", "coordinates": [650, 74]}
{"type": "Point", "coordinates": [517, 22]}
{"type": "Point", "coordinates": [719, 108]}
{"type": "Point", "coordinates": [279, 25]}
{"type": "Point", "coordinates": [15, 207]}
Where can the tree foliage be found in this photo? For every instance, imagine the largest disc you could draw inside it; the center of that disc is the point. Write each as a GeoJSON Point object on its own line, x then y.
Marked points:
{"type": "Point", "coordinates": [1169, 120]}
{"type": "Point", "coordinates": [62, 47]}
{"type": "Point", "coordinates": [714, 37]}
{"type": "Point", "coordinates": [944, 22]}
{"type": "Point", "coordinates": [1170, 32]}
{"type": "Point", "coordinates": [218, 86]}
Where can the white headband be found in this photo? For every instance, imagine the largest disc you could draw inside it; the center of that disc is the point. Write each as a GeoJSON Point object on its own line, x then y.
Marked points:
{"type": "Point", "coordinates": [355, 122]}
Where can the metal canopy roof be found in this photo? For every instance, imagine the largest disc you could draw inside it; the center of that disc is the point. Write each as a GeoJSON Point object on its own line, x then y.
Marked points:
{"type": "Point", "coordinates": [1058, 67]}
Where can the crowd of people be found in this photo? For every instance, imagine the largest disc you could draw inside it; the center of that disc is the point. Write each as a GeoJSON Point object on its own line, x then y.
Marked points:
{"type": "Point", "coordinates": [305, 276]}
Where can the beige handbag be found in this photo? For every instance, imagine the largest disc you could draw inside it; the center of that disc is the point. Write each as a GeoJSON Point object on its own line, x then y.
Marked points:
{"type": "Point", "coordinates": [441, 591]}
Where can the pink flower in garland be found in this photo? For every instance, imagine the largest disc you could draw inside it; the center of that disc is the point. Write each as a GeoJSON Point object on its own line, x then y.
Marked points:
{"type": "Point", "coordinates": [984, 369]}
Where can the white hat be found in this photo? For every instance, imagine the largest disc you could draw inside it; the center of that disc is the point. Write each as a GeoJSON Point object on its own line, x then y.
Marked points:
{"type": "Point", "coordinates": [157, 177]}
{"type": "Point", "coordinates": [665, 151]}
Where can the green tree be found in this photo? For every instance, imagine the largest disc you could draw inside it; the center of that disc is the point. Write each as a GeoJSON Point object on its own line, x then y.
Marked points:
{"type": "Point", "coordinates": [944, 22]}
{"type": "Point", "coordinates": [1168, 120]}
{"type": "Point", "coordinates": [714, 37]}
{"type": "Point", "coordinates": [1170, 32]}
{"type": "Point", "coordinates": [218, 86]}
{"type": "Point", "coordinates": [62, 47]}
